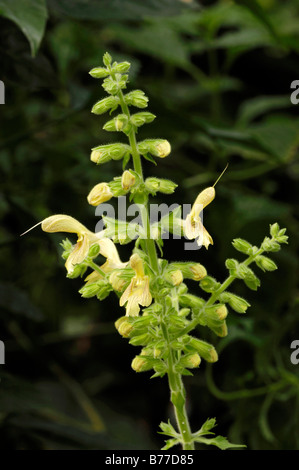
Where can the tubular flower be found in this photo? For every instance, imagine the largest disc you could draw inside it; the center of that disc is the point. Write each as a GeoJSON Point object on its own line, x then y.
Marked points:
{"type": "Point", "coordinates": [100, 193]}
{"type": "Point", "coordinates": [193, 225]}
{"type": "Point", "coordinates": [109, 251]}
{"type": "Point", "coordinates": [137, 293]}
{"type": "Point", "coordinates": [86, 238]}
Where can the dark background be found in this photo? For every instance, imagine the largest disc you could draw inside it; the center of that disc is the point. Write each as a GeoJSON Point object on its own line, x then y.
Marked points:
{"type": "Point", "coordinates": [218, 76]}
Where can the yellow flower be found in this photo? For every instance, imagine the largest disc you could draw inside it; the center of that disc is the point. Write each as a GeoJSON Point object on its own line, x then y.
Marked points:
{"type": "Point", "coordinates": [137, 293]}
{"type": "Point", "coordinates": [128, 180]}
{"type": "Point", "coordinates": [86, 238]}
{"type": "Point", "coordinates": [100, 193]}
{"type": "Point", "coordinates": [113, 262]}
{"type": "Point", "coordinates": [163, 149]}
{"type": "Point", "coordinates": [109, 251]}
{"type": "Point", "coordinates": [193, 225]}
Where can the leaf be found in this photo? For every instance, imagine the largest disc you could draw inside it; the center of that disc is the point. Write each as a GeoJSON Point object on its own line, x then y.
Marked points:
{"type": "Point", "coordinates": [256, 9]}
{"type": "Point", "coordinates": [30, 16]}
{"type": "Point", "coordinates": [251, 109]}
{"type": "Point", "coordinates": [168, 429]}
{"type": "Point", "coordinates": [118, 9]}
{"type": "Point", "coordinates": [245, 39]}
{"type": "Point", "coordinates": [148, 39]}
{"type": "Point", "coordinates": [170, 443]}
{"type": "Point", "coordinates": [218, 441]}
{"type": "Point", "coordinates": [279, 135]}
{"type": "Point", "coordinates": [253, 207]}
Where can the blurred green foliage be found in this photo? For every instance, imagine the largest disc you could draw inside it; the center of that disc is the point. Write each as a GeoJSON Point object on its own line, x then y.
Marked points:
{"type": "Point", "coordinates": [218, 75]}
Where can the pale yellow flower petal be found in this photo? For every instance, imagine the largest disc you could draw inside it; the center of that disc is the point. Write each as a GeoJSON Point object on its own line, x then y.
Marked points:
{"type": "Point", "coordinates": [78, 254]}
{"type": "Point", "coordinates": [109, 251]}
{"type": "Point", "coordinates": [99, 194]}
{"type": "Point", "coordinates": [62, 223]}
{"type": "Point", "coordinates": [203, 199]}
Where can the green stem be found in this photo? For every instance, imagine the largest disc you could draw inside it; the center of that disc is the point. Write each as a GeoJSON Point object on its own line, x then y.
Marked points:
{"type": "Point", "coordinates": [214, 297]}
{"type": "Point", "coordinates": [177, 390]}
{"type": "Point", "coordinates": [97, 268]}
{"type": "Point", "coordinates": [178, 395]}
{"type": "Point", "coordinates": [150, 244]}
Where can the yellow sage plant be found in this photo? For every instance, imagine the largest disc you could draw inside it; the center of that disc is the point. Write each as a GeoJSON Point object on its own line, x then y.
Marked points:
{"type": "Point", "coordinates": [161, 317]}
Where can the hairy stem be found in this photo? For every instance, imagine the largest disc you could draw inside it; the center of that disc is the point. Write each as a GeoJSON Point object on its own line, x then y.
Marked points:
{"type": "Point", "coordinates": [150, 244]}
{"type": "Point", "coordinates": [177, 390]}
{"type": "Point", "coordinates": [177, 394]}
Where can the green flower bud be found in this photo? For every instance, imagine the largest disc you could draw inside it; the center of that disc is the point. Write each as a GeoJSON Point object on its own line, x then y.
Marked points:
{"type": "Point", "coordinates": [141, 364]}
{"type": "Point", "coordinates": [89, 290]}
{"type": "Point", "coordinates": [183, 312]}
{"type": "Point", "coordinates": [104, 153]}
{"type": "Point", "coordinates": [99, 72]}
{"type": "Point", "coordinates": [136, 98]}
{"type": "Point", "coordinates": [102, 106]}
{"type": "Point", "coordinates": [156, 147]}
{"type": "Point", "coordinates": [78, 271]}
{"type": "Point", "coordinates": [209, 284]}
{"type": "Point", "coordinates": [162, 185]}
{"type": "Point", "coordinates": [274, 230]}
{"type": "Point", "coordinates": [144, 117]}
{"type": "Point", "coordinates": [266, 264]}
{"type": "Point", "coordinates": [125, 329]}
{"type": "Point", "coordinates": [141, 340]}
{"type": "Point", "coordinates": [237, 303]}
{"type": "Point", "coordinates": [190, 300]}
{"type": "Point", "coordinates": [204, 349]}
{"type": "Point", "coordinates": [250, 279]}
{"type": "Point", "coordinates": [232, 264]}
{"type": "Point", "coordinates": [182, 289]}
{"type": "Point", "coordinates": [94, 250]}
{"type": "Point", "coordinates": [119, 321]}
{"type": "Point", "coordinates": [221, 330]}
{"type": "Point", "coordinates": [216, 312]}
{"type": "Point", "coordinates": [111, 86]}
{"type": "Point", "coordinates": [121, 67]}
{"type": "Point", "coordinates": [242, 245]}
{"type": "Point", "coordinates": [128, 180]}
{"type": "Point", "coordinates": [270, 245]}
{"type": "Point", "coordinates": [116, 187]}
{"type": "Point", "coordinates": [175, 277]}
{"type": "Point", "coordinates": [191, 361]}
{"type": "Point", "coordinates": [107, 59]}
{"type": "Point", "coordinates": [116, 124]}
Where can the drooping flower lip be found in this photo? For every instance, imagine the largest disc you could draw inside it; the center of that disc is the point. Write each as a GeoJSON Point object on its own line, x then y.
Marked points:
{"type": "Point", "coordinates": [137, 293]}
{"type": "Point", "coordinates": [193, 226]}
{"type": "Point", "coordinates": [86, 238]}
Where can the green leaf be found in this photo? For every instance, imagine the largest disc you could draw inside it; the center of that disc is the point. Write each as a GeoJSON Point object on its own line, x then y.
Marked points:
{"type": "Point", "coordinates": [251, 109]}
{"type": "Point", "coordinates": [168, 429]}
{"type": "Point", "coordinates": [30, 16]}
{"type": "Point", "coordinates": [96, 10]}
{"type": "Point", "coordinates": [279, 135]}
{"type": "Point", "coordinates": [256, 9]}
{"type": "Point", "coordinates": [170, 443]}
{"type": "Point", "coordinates": [218, 441]}
{"type": "Point", "coordinates": [148, 40]}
